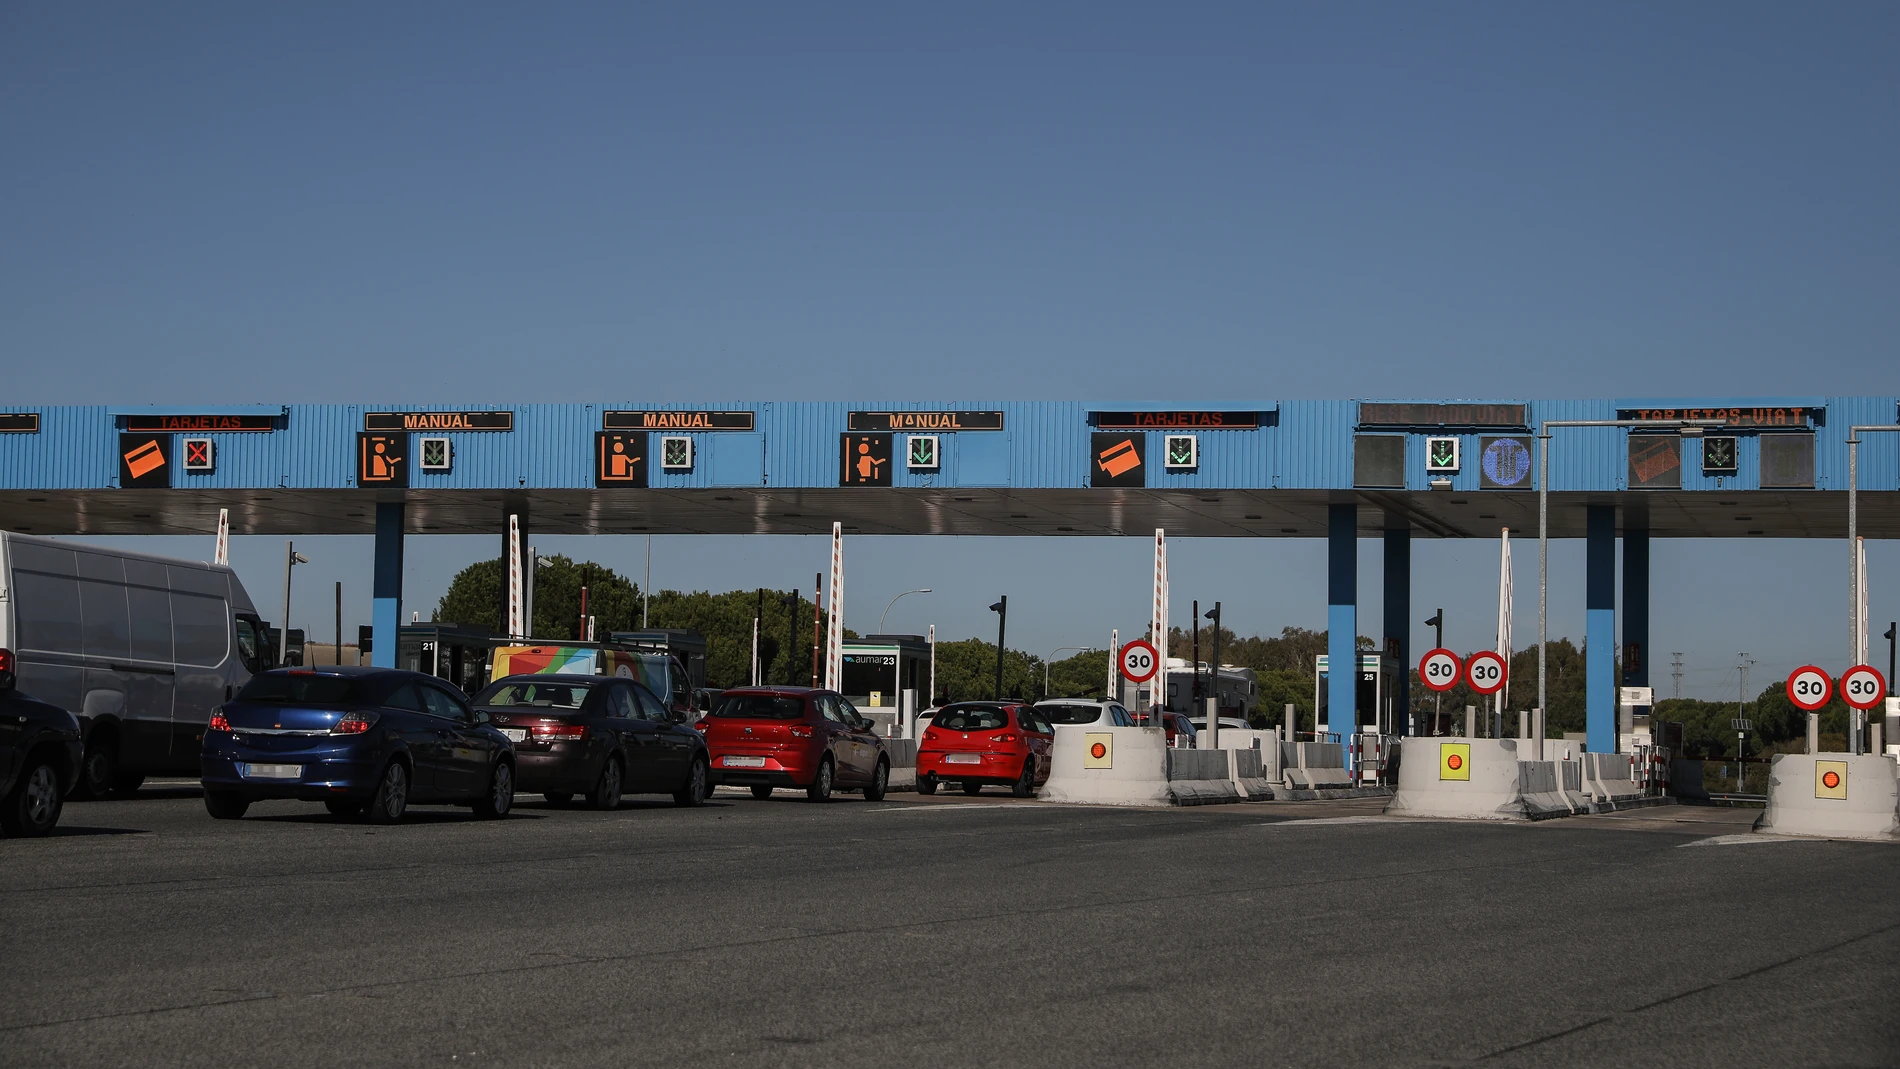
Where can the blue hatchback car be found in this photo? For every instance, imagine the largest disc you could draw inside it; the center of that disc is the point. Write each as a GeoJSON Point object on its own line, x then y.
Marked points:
{"type": "Point", "coordinates": [363, 741]}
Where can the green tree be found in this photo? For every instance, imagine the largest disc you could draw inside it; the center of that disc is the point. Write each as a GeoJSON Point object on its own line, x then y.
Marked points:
{"type": "Point", "coordinates": [726, 621]}
{"type": "Point", "coordinates": [1082, 675]}
{"type": "Point", "coordinates": [474, 599]}
{"type": "Point", "coordinates": [966, 671]}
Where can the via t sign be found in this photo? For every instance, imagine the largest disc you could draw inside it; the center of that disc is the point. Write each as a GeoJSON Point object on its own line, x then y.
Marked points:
{"type": "Point", "coordinates": [1440, 669]}
{"type": "Point", "coordinates": [1139, 662]}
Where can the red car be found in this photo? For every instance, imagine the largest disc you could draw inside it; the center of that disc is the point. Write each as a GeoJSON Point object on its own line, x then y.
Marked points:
{"type": "Point", "coordinates": [986, 742]}
{"type": "Point", "coordinates": [1175, 724]}
{"type": "Point", "coordinates": [813, 740]}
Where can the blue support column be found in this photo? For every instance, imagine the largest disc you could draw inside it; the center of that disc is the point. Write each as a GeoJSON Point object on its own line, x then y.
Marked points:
{"type": "Point", "coordinates": [1636, 654]}
{"type": "Point", "coordinates": [1342, 618]}
{"type": "Point", "coordinates": [1398, 622]}
{"type": "Point", "coordinates": [386, 605]}
{"type": "Point", "coordinates": [1600, 630]}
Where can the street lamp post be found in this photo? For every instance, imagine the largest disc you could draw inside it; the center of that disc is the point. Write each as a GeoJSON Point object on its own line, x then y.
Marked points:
{"type": "Point", "coordinates": [1001, 608]}
{"type": "Point", "coordinates": [292, 558]}
{"type": "Point", "coordinates": [887, 608]}
{"type": "Point", "coordinates": [1052, 654]}
{"type": "Point", "coordinates": [1687, 428]}
{"type": "Point", "coordinates": [1213, 704]}
{"type": "Point", "coordinates": [1437, 624]}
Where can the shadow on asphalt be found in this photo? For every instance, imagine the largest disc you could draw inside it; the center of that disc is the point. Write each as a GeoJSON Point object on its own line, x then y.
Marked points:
{"type": "Point", "coordinates": [412, 816]}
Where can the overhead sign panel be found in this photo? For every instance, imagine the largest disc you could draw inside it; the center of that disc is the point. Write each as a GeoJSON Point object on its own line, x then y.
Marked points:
{"type": "Point", "coordinates": [19, 422]}
{"type": "Point", "coordinates": [382, 460]}
{"type": "Point", "coordinates": [925, 421]}
{"type": "Point", "coordinates": [145, 461]}
{"type": "Point", "coordinates": [197, 424]}
{"type": "Point", "coordinates": [1409, 414]}
{"type": "Point", "coordinates": [1504, 463]}
{"type": "Point", "coordinates": [1655, 462]}
{"type": "Point", "coordinates": [438, 421]}
{"type": "Point", "coordinates": [864, 460]}
{"type": "Point", "coordinates": [1115, 460]}
{"type": "Point", "coordinates": [655, 420]}
{"type": "Point", "coordinates": [1794, 416]}
{"type": "Point", "coordinates": [1177, 421]}
{"type": "Point", "coordinates": [620, 459]}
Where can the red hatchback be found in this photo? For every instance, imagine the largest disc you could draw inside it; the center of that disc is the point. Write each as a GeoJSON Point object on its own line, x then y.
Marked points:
{"type": "Point", "coordinates": [813, 740]}
{"type": "Point", "coordinates": [986, 742]}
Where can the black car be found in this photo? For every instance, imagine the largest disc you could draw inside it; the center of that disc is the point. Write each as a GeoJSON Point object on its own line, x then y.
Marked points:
{"type": "Point", "coordinates": [39, 758]}
{"type": "Point", "coordinates": [598, 737]}
{"type": "Point", "coordinates": [360, 740]}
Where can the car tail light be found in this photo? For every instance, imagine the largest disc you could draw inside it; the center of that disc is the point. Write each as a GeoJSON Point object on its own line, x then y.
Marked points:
{"type": "Point", "coordinates": [560, 732]}
{"type": "Point", "coordinates": [6, 660]}
{"type": "Point", "coordinates": [1007, 736]}
{"type": "Point", "coordinates": [219, 722]}
{"type": "Point", "coordinates": [800, 731]}
{"type": "Point", "coordinates": [355, 723]}
{"type": "Point", "coordinates": [701, 726]}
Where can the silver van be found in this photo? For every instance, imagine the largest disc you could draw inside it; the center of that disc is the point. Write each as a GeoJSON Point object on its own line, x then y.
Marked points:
{"type": "Point", "coordinates": [140, 648]}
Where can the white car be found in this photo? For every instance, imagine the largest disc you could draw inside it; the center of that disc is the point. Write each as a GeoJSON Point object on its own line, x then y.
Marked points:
{"type": "Point", "coordinates": [1226, 722]}
{"type": "Point", "coordinates": [1064, 711]}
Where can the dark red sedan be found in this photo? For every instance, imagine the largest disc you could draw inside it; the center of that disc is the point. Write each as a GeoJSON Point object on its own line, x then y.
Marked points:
{"type": "Point", "coordinates": [811, 740]}
{"type": "Point", "coordinates": [977, 743]}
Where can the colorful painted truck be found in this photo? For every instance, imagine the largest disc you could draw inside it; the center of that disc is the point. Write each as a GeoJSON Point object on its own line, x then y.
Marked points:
{"type": "Point", "coordinates": [661, 673]}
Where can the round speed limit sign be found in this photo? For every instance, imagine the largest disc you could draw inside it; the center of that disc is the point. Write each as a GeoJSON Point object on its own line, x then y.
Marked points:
{"type": "Point", "coordinates": [1440, 669]}
{"type": "Point", "coordinates": [1139, 662]}
{"type": "Point", "coordinates": [1485, 671]}
{"type": "Point", "coordinates": [1862, 686]}
{"type": "Point", "coordinates": [1809, 688]}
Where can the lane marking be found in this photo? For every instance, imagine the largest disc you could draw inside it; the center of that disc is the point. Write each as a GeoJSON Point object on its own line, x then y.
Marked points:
{"type": "Point", "coordinates": [1742, 839]}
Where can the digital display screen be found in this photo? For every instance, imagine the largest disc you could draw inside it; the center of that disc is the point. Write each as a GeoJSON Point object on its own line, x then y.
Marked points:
{"type": "Point", "coordinates": [197, 424]}
{"type": "Point", "coordinates": [438, 421]}
{"type": "Point", "coordinates": [1422, 414]}
{"type": "Point", "coordinates": [1794, 416]}
{"type": "Point", "coordinates": [925, 421]}
{"type": "Point", "coordinates": [676, 421]}
{"type": "Point", "coordinates": [1177, 421]}
{"type": "Point", "coordinates": [19, 422]}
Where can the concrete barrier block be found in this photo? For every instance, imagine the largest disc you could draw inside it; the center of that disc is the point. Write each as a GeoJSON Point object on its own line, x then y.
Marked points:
{"type": "Point", "coordinates": [1201, 777]}
{"type": "Point", "coordinates": [1477, 779]}
{"type": "Point", "coordinates": [1131, 770]}
{"type": "Point", "coordinates": [1245, 769]}
{"type": "Point", "coordinates": [902, 752]}
{"type": "Point", "coordinates": [1834, 796]}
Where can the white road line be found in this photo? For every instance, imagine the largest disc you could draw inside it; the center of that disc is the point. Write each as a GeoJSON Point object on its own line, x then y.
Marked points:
{"type": "Point", "coordinates": [1742, 839]}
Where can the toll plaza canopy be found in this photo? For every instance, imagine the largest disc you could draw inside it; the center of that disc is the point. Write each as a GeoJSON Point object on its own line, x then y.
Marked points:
{"type": "Point", "coordinates": [1773, 467]}
{"type": "Point", "coordinates": [1765, 467]}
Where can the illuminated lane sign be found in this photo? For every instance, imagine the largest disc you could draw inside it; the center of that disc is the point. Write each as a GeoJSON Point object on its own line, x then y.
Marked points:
{"type": "Point", "coordinates": [19, 423]}
{"type": "Point", "coordinates": [650, 420]}
{"type": "Point", "coordinates": [438, 421]}
{"type": "Point", "coordinates": [1795, 416]}
{"type": "Point", "coordinates": [144, 461]}
{"type": "Point", "coordinates": [864, 460]}
{"type": "Point", "coordinates": [382, 460]}
{"type": "Point", "coordinates": [1373, 414]}
{"type": "Point", "coordinates": [197, 424]}
{"type": "Point", "coordinates": [1177, 421]}
{"type": "Point", "coordinates": [876, 422]}
{"type": "Point", "coordinates": [1117, 459]}
{"type": "Point", "coordinates": [620, 459]}
{"type": "Point", "coordinates": [1655, 462]}
{"type": "Point", "coordinates": [1504, 463]}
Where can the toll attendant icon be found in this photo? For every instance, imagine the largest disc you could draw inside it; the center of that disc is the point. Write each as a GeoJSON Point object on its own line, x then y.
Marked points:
{"type": "Point", "coordinates": [382, 460]}
{"type": "Point", "coordinates": [866, 460]}
{"type": "Point", "coordinates": [620, 459]}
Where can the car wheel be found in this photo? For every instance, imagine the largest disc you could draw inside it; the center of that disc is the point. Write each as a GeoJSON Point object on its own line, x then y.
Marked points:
{"type": "Point", "coordinates": [345, 807]}
{"type": "Point", "coordinates": [820, 789]}
{"type": "Point", "coordinates": [558, 797]}
{"type": "Point", "coordinates": [225, 805]}
{"type": "Point", "coordinates": [881, 778]}
{"type": "Point", "coordinates": [33, 808]}
{"type": "Point", "coordinates": [1025, 785]}
{"type": "Point", "coordinates": [695, 790]}
{"type": "Point", "coordinates": [927, 784]}
{"type": "Point", "coordinates": [606, 793]}
{"type": "Point", "coordinates": [761, 791]}
{"type": "Point", "coordinates": [127, 782]}
{"type": "Point", "coordinates": [99, 767]}
{"type": "Point", "coordinates": [392, 795]}
{"type": "Point", "coordinates": [501, 793]}
{"type": "Point", "coordinates": [971, 786]}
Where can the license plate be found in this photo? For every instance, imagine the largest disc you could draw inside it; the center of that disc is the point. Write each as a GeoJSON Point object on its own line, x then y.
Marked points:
{"type": "Point", "coordinates": [962, 759]}
{"type": "Point", "coordinates": [271, 771]}
{"type": "Point", "coordinates": [745, 762]}
{"type": "Point", "coordinates": [516, 734]}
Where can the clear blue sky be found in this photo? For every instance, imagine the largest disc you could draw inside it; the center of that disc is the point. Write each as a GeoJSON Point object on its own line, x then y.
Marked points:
{"type": "Point", "coordinates": [479, 202]}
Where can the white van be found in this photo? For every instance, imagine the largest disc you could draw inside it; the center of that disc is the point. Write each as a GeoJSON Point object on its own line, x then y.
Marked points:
{"type": "Point", "coordinates": [140, 648]}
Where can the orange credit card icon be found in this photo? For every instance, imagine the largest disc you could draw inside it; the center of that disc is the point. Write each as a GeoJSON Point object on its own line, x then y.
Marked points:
{"type": "Point", "coordinates": [1119, 458]}
{"type": "Point", "coordinates": [145, 459]}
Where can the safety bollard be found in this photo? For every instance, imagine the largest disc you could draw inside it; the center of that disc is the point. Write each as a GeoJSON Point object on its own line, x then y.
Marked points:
{"type": "Point", "coordinates": [1814, 733]}
{"type": "Point", "coordinates": [1471, 721]}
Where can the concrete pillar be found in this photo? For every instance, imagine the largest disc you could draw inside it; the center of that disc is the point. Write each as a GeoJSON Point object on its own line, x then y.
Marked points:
{"type": "Point", "coordinates": [386, 591]}
{"type": "Point", "coordinates": [1342, 619]}
{"type": "Point", "coordinates": [1398, 621]}
{"type": "Point", "coordinates": [1635, 608]}
{"type": "Point", "coordinates": [1600, 630]}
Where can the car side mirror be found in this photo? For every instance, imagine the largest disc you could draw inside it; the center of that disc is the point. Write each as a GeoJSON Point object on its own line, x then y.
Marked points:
{"type": "Point", "coordinates": [478, 716]}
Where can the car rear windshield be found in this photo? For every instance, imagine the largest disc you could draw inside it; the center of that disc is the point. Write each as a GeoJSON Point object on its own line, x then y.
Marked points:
{"type": "Point", "coordinates": [761, 707]}
{"type": "Point", "coordinates": [538, 695]}
{"type": "Point", "coordinates": [971, 718]}
{"type": "Point", "coordinates": [1070, 714]}
{"type": "Point", "coordinates": [304, 688]}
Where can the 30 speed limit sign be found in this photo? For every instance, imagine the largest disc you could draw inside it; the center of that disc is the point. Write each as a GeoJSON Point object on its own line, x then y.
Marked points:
{"type": "Point", "coordinates": [1862, 686]}
{"type": "Point", "coordinates": [1440, 669]}
{"type": "Point", "coordinates": [1809, 687]}
{"type": "Point", "coordinates": [1486, 672]}
{"type": "Point", "coordinates": [1139, 662]}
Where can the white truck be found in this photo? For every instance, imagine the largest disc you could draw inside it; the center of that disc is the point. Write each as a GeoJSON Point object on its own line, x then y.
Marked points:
{"type": "Point", "coordinates": [141, 648]}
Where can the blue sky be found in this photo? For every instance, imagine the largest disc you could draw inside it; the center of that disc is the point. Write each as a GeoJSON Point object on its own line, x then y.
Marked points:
{"type": "Point", "coordinates": [478, 202]}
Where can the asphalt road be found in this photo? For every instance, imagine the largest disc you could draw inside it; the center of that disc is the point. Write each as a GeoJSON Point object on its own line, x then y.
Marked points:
{"type": "Point", "coordinates": [943, 932]}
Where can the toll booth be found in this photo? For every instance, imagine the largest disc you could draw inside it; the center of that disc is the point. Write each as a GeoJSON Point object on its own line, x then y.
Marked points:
{"type": "Point", "coordinates": [878, 669]}
{"type": "Point", "coordinates": [1375, 694]}
{"type": "Point", "coordinates": [447, 651]}
{"type": "Point", "coordinates": [685, 644]}
{"type": "Point", "coordinates": [1633, 728]}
